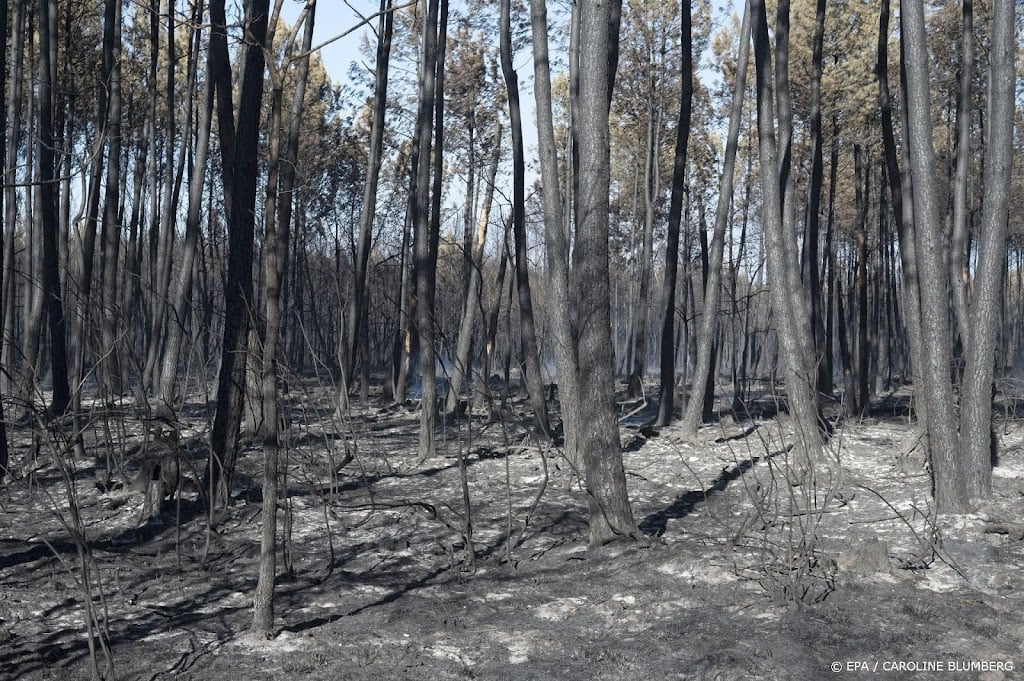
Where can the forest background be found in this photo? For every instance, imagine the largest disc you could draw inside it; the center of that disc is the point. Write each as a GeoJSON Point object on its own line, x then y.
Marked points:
{"type": "Point", "coordinates": [812, 204]}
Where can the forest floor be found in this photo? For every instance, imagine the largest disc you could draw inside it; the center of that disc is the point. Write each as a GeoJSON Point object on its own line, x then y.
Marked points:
{"type": "Point", "coordinates": [745, 574]}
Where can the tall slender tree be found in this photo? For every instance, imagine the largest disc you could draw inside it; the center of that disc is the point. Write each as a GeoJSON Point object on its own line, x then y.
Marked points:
{"type": "Point", "coordinates": [163, 230]}
{"type": "Point", "coordinates": [6, 179]}
{"type": "Point", "coordinates": [424, 237]}
{"type": "Point", "coordinates": [280, 188]}
{"type": "Point", "coordinates": [950, 486]}
{"type": "Point", "coordinates": [781, 250]}
{"type": "Point", "coordinates": [181, 295]}
{"type": "Point", "coordinates": [812, 233]}
{"type": "Point", "coordinates": [667, 390]}
{"type": "Point", "coordinates": [48, 198]}
{"type": "Point", "coordinates": [238, 293]}
{"type": "Point", "coordinates": [460, 371]}
{"type": "Point", "coordinates": [959, 274]}
{"type": "Point", "coordinates": [110, 364]}
{"type": "Point", "coordinates": [528, 333]}
{"type": "Point", "coordinates": [81, 322]}
{"type": "Point", "coordinates": [902, 202]}
{"type": "Point", "coordinates": [556, 236]}
{"type": "Point", "coordinates": [976, 400]}
{"type": "Point", "coordinates": [712, 287]}
{"type": "Point", "coordinates": [12, 138]}
{"type": "Point", "coordinates": [355, 325]}
{"type": "Point", "coordinates": [610, 515]}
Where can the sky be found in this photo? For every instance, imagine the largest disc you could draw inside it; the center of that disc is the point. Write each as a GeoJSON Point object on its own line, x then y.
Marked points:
{"type": "Point", "coordinates": [333, 18]}
{"type": "Point", "coordinates": [337, 17]}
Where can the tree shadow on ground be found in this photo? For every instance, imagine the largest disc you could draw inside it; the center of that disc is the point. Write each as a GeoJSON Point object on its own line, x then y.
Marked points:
{"type": "Point", "coordinates": [656, 523]}
{"type": "Point", "coordinates": [254, 493]}
{"type": "Point", "coordinates": [398, 582]}
{"type": "Point", "coordinates": [177, 513]}
{"type": "Point", "coordinates": [63, 646]}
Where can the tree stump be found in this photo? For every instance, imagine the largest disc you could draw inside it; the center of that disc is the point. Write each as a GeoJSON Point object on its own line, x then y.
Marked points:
{"type": "Point", "coordinates": [158, 481]}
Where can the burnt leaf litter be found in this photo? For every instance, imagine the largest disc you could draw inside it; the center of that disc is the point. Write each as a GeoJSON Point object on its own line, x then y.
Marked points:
{"type": "Point", "coordinates": [744, 572]}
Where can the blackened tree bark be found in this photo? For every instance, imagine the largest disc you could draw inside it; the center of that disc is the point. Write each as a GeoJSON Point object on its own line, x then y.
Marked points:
{"type": "Point", "coordinates": [610, 515]}
{"type": "Point", "coordinates": [949, 483]}
{"type": "Point", "coordinates": [845, 355]}
{"type": "Point", "coordinates": [273, 263]}
{"type": "Point", "coordinates": [707, 400]}
{"type": "Point", "coordinates": [858, 403]}
{"type": "Point", "coordinates": [241, 233]}
{"type": "Point", "coordinates": [48, 189]}
{"type": "Point", "coordinates": [33, 308]}
{"type": "Point", "coordinates": [463, 346]}
{"type": "Point", "coordinates": [110, 365]}
{"type": "Point", "coordinates": [959, 276]}
{"type": "Point", "coordinates": [491, 326]}
{"type": "Point", "coordinates": [405, 333]}
{"type": "Point", "coordinates": [556, 238]}
{"type": "Point", "coordinates": [6, 176]}
{"type": "Point", "coordinates": [158, 159]}
{"type": "Point", "coordinates": [280, 188]}
{"type": "Point", "coordinates": [976, 401]}
{"type": "Point", "coordinates": [528, 337]}
{"type": "Point", "coordinates": [651, 189]}
{"type": "Point", "coordinates": [424, 238]}
{"type": "Point", "coordinates": [783, 266]}
{"type": "Point", "coordinates": [795, 287]}
{"type": "Point", "coordinates": [404, 339]}
{"type": "Point", "coordinates": [812, 235]}
{"type": "Point", "coordinates": [783, 101]}
{"type": "Point", "coordinates": [355, 326]}
{"type": "Point", "coordinates": [902, 207]}
{"type": "Point", "coordinates": [182, 291]}
{"type": "Point", "coordinates": [12, 138]}
{"type": "Point", "coordinates": [80, 323]}
{"type": "Point", "coordinates": [667, 389]}
{"type": "Point", "coordinates": [220, 70]}
{"type": "Point", "coordinates": [712, 289]}
{"type": "Point", "coordinates": [741, 347]}
{"type": "Point", "coordinates": [163, 231]}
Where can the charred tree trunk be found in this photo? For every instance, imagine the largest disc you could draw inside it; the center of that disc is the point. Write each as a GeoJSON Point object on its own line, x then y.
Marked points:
{"type": "Point", "coordinates": [792, 323]}
{"type": "Point", "coordinates": [712, 289]}
{"type": "Point", "coordinates": [863, 181]}
{"type": "Point", "coordinates": [48, 196]}
{"type": "Point", "coordinates": [464, 344]}
{"type": "Point", "coordinates": [182, 293]}
{"type": "Point", "coordinates": [959, 275]}
{"type": "Point", "coordinates": [901, 208]}
{"type": "Point", "coordinates": [812, 233]}
{"type": "Point", "coordinates": [491, 329]}
{"type": "Point", "coordinates": [528, 337]}
{"type": "Point", "coordinates": [163, 231]}
{"type": "Point", "coordinates": [667, 389]}
{"type": "Point", "coordinates": [355, 326]}
{"type": "Point", "coordinates": [976, 402]}
{"type": "Point", "coordinates": [110, 365]}
{"type": "Point", "coordinates": [84, 307]}
{"type": "Point", "coordinates": [7, 177]}
{"type": "Point", "coordinates": [425, 238]}
{"type": "Point", "coordinates": [32, 308]}
{"type": "Point", "coordinates": [950, 485]}
{"type": "Point", "coordinates": [12, 138]}
{"type": "Point", "coordinates": [238, 294]}
{"type": "Point", "coordinates": [280, 187]}
{"type": "Point", "coordinates": [556, 237]}
{"type": "Point", "coordinates": [610, 515]}
{"type": "Point", "coordinates": [652, 182]}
